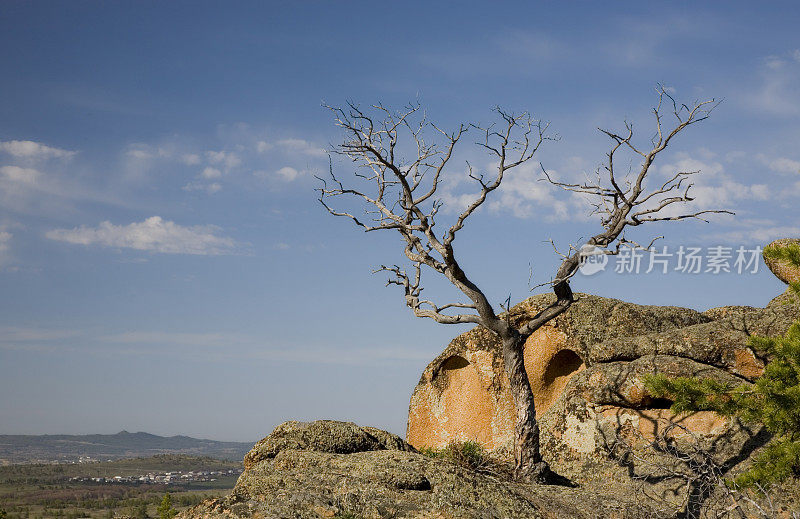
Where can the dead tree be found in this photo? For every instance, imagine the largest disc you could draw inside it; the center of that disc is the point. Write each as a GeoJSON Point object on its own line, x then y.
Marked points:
{"type": "Point", "coordinates": [401, 195]}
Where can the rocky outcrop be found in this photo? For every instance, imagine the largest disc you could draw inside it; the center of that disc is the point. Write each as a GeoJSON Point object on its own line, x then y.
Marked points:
{"type": "Point", "coordinates": [323, 436]}
{"type": "Point", "coordinates": [782, 269]}
{"type": "Point", "coordinates": [336, 469]}
{"type": "Point", "coordinates": [586, 369]}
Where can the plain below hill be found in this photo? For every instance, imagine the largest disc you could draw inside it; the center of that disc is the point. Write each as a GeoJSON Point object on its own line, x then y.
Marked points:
{"type": "Point", "coordinates": [67, 448]}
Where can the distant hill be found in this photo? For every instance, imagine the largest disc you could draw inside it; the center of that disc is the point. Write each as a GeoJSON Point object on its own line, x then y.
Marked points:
{"type": "Point", "coordinates": [66, 447]}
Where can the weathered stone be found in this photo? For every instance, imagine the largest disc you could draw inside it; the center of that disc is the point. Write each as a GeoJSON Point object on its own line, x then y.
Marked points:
{"type": "Point", "coordinates": [621, 383]}
{"type": "Point", "coordinates": [372, 484]}
{"type": "Point", "coordinates": [611, 396]}
{"type": "Point", "coordinates": [787, 299]}
{"type": "Point", "coordinates": [605, 344]}
{"type": "Point", "coordinates": [782, 269]}
{"type": "Point", "coordinates": [723, 312]}
{"type": "Point", "coordinates": [323, 436]}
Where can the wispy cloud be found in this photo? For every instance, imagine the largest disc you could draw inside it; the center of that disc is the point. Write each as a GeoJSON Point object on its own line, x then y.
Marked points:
{"type": "Point", "coordinates": [780, 164]}
{"type": "Point", "coordinates": [211, 188]}
{"type": "Point", "coordinates": [210, 172]}
{"type": "Point", "coordinates": [523, 194]}
{"type": "Point", "coordinates": [153, 234]}
{"type": "Point", "coordinates": [24, 334]}
{"type": "Point", "coordinates": [778, 92]}
{"type": "Point", "coordinates": [52, 190]}
{"type": "Point", "coordinates": [226, 159]}
{"type": "Point", "coordinates": [754, 231]}
{"type": "Point", "coordinates": [288, 173]}
{"type": "Point", "coordinates": [285, 174]}
{"type": "Point", "coordinates": [18, 174]}
{"type": "Point", "coordinates": [190, 159]}
{"type": "Point", "coordinates": [34, 150]}
{"type": "Point", "coordinates": [5, 246]}
{"type": "Point", "coordinates": [528, 50]}
{"type": "Point", "coordinates": [301, 146]}
{"type": "Point", "coordinates": [201, 346]}
{"type": "Point", "coordinates": [175, 338]}
{"type": "Point", "coordinates": [713, 188]}
{"type": "Point", "coordinates": [239, 154]}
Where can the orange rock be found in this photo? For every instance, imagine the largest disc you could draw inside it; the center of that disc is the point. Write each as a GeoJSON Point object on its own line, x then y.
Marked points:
{"type": "Point", "coordinates": [464, 394]}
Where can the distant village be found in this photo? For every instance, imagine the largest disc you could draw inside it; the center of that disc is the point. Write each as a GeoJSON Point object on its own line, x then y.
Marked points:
{"type": "Point", "coordinates": [162, 478]}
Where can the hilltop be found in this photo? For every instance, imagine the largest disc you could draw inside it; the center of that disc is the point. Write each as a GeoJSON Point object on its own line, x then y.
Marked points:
{"type": "Point", "coordinates": [124, 444]}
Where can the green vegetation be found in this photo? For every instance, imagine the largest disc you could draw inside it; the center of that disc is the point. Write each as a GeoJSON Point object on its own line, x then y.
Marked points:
{"type": "Point", "coordinates": [165, 510]}
{"type": "Point", "coordinates": [789, 253]}
{"type": "Point", "coordinates": [140, 511]}
{"type": "Point", "coordinates": [46, 473]}
{"type": "Point", "coordinates": [773, 400]}
{"type": "Point", "coordinates": [47, 491]}
{"type": "Point", "coordinates": [470, 454]}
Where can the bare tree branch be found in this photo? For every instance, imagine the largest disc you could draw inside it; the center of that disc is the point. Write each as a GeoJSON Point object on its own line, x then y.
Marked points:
{"type": "Point", "coordinates": [401, 195]}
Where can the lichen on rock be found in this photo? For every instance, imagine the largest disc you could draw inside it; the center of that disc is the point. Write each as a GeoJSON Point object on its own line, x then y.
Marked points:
{"type": "Point", "coordinates": [591, 357]}
{"type": "Point", "coordinates": [783, 270]}
{"type": "Point", "coordinates": [335, 469]}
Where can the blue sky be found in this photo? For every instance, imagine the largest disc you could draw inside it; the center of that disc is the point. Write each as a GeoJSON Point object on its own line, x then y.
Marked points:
{"type": "Point", "coordinates": [164, 264]}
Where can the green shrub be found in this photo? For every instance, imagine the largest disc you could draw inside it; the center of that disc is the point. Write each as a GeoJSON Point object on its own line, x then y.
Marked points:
{"type": "Point", "coordinates": [472, 455]}
{"type": "Point", "coordinates": [773, 400]}
{"type": "Point", "coordinates": [165, 510]}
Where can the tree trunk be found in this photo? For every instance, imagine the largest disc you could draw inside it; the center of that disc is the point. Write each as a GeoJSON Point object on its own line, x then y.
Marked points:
{"type": "Point", "coordinates": [528, 459]}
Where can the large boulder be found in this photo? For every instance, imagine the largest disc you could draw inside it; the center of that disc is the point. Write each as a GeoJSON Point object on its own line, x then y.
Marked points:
{"type": "Point", "coordinates": [323, 436]}
{"type": "Point", "coordinates": [586, 368]}
{"type": "Point", "coordinates": [782, 269]}
{"type": "Point", "coordinates": [336, 469]}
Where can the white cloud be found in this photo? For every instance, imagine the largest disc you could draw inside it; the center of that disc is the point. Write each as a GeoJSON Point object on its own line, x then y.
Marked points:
{"type": "Point", "coordinates": [292, 147]}
{"type": "Point", "coordinates": [211, 188]}
{"type": "Point", "coordinates": [34, 150]}
{"type": "Point", "coordinates": [522, 194]}
{"type": "Point", "coordinates": [175, 338]}
{"type": "Point", "coordinates": [139, 154]}
{"type": "Point", "coordinates": [51, 192]}
{"type": "Point", "coordinates": [203, 346]}
{"type": "Point", "coordinates": [226, 159]}
{"type": "Point", "coordinates": [281, 246]}
{"type": "Point", "coordinates": [153, 234]}
{"type": "Point", "coordinates": [142, 151]}
{"type": "Point", "coordinates": [525, 196]}
{"type": "Point", "coordinates": [773, 62]}
{"type": "Point", "coordinates": [755, 232]}
{"type": "Point", "coordinates": [20, 175]}
{"type": "Point", "coordinates": [302, 147]}
{"type": "Point", "coordinates": [287, 173]}
{"type": "Point", "coordinates": [20, 334]}
{"type": "Point", "coordinates": [191, 159]}
{"type": "Point", "coordinates": [210, 172]}
{"type": "Point", "coordinates": [5, 247]}
{"type": "Point", "coordinates": [713, 188]}
{"type": "Point", "coordinates": [779, 90]}
{"type": "Point", "coordinates": [781, 164]}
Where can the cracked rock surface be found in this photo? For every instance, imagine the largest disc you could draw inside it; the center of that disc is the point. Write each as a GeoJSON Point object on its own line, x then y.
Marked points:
{"type": "Point", "coordinates": [330, 469]}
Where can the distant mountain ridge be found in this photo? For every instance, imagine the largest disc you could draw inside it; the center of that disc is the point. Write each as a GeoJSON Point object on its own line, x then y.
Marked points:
{"type": "Point", "coordinates": [124, 444]}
